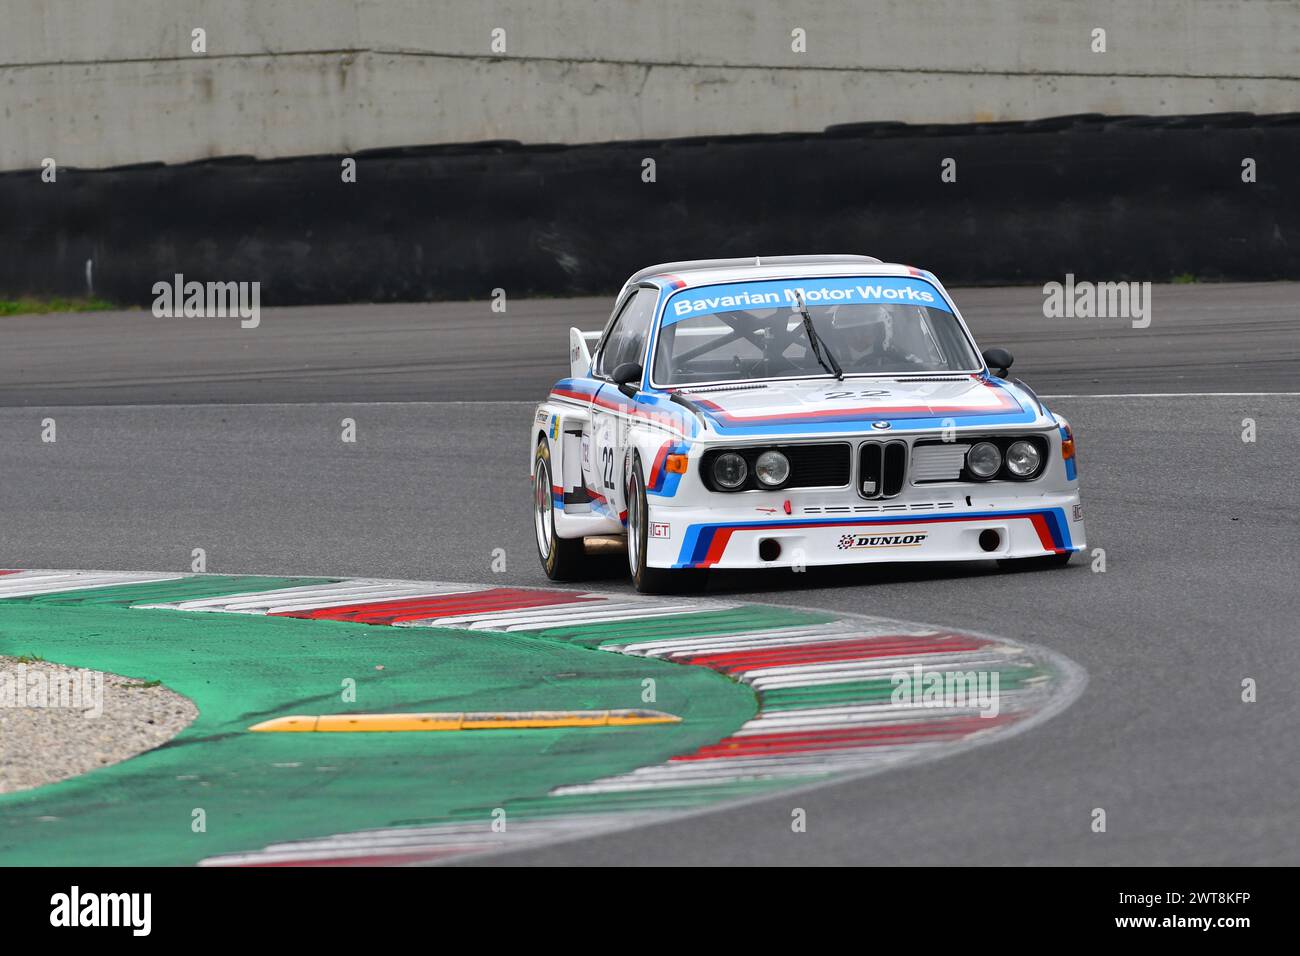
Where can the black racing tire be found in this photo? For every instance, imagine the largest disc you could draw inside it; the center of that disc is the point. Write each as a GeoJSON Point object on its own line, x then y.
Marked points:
{"type": "Point", "coordinates": [645, 580]}
{"type": "Point", "coordinates": [1043, 562]}
{"type": "Point", "coordinates": [563, 559]}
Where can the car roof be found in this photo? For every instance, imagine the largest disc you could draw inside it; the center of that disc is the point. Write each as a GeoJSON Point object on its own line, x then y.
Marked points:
{"type": "Point", "coordinates": [697, 272]}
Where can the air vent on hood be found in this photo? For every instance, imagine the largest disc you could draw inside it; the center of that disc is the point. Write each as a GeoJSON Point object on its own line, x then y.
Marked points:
{"type": "Point", "coordinates": [709, 390]}
{"type": "Point", "coordinates": [934, 378]}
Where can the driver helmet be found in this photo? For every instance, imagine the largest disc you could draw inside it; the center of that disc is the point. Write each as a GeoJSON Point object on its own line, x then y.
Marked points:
{"type": "Point", "coordinates": [863, 328]}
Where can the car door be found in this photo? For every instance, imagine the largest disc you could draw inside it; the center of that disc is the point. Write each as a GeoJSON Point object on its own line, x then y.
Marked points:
{"type": "Point", "coordinates": [624, 341]}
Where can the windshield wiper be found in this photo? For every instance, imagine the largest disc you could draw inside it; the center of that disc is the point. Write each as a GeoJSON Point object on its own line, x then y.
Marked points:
{"type": "Point", "coordinates": [819, 349]}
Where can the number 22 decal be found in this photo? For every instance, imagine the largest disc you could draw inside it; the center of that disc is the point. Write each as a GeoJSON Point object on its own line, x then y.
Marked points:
{"type": "Point", "coordinates": [864, 393]}
{"type": "Point", "coordinates": [607, 467]}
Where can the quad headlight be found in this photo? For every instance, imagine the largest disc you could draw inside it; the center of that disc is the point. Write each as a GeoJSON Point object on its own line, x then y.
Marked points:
{"type": "Point", "coordinates": [772, 469]}
{"type": "Point", "coordinates": [983, 460]}
{"type": "Point", "coordinates": [1024, 459]}
{"type": "Point", "coordinates": [730, 471]}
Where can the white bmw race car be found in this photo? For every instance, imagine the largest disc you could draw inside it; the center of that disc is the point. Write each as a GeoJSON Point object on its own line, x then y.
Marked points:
{"type": "Point", "coordinates": [795, 411]}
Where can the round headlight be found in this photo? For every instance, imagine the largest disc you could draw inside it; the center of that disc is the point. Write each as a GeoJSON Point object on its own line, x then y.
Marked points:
{"type": "Point", "coordinates": [730, 470]}
{"type": "Point", "coordinates": [1023, 459]}
{"type": "Point", "coordinates": [984, 460]}
{"type": "Point", "coordinates": [772, 469]}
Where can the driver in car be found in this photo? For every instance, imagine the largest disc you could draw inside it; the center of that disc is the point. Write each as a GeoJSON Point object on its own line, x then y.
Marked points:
{"type": "Point", "coordinates": [864, 340]}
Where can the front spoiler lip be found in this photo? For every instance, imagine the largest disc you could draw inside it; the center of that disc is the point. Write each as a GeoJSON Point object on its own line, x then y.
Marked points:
{"type": "Point", "coordinates": [705, 539]}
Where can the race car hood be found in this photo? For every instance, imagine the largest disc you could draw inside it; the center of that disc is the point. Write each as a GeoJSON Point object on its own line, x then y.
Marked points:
{"type": "Point", "coordinates": [881, 405]}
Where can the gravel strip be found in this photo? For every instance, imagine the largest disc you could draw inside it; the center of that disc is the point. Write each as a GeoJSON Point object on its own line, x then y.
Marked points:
{"type": "Point", "coordinates": [58, 722]}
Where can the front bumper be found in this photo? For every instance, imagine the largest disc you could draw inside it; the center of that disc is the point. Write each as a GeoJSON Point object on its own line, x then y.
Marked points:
{"type": "Point", "coordinates": [730, 537]}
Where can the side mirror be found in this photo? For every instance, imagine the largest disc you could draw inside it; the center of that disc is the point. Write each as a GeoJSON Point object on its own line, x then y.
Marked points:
{"type": "Point", "coordinates": [999, 361]}
{"type": "Point", "coordinates": [628, 378]}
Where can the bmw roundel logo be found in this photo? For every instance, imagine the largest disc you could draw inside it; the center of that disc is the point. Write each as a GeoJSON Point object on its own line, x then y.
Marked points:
{"type": "Point", "coordinates": [882, 426]}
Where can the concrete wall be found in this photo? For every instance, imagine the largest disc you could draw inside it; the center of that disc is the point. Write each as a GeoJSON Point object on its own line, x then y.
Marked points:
{"type": "Point", "coordinates": [108, 82]}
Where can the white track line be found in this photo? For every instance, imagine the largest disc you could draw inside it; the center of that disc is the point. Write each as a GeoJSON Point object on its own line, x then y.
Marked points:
{"type": "Point", "coordinates": [864, 716]}
{"type": "Point", "coordinates": [611, 615]}
{"type": "Point", "coordinates": [467, 838]}
{"type": "Point", "coordinates": [311, 598]}
{"type": "Point", "coordinates": [564, 615]}
{"type": "Point", "coordinates": [776, 637]}
{"type": "Point", "coordinates": [32, 583]}
{"type": "Point", "coordinates": [1182, 395]}
{"type": "Point", "coordinates": [872, 669]}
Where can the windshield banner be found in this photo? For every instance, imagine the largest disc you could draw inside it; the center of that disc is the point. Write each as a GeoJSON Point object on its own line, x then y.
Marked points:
{"type": "Point", "coordinates": [744, 296]}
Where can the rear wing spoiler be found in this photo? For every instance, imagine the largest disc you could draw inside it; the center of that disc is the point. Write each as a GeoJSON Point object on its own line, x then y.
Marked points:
{"type": "Point", "coordinates": [580, 346]}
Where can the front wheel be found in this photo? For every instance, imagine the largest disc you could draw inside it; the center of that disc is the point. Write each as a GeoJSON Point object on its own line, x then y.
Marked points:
{"type": "Point", "coordinates": [563, 559]}
{"type": "Point", "coordinates": [644, 579]}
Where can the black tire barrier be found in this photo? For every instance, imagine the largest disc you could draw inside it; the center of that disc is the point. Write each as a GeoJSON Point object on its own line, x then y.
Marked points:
{"type": "Point", "coordinates": [1105, 198]}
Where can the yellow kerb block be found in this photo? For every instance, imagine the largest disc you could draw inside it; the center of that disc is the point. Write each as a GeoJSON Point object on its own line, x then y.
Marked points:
{"type": "Point", "coordinates": [484, 720]}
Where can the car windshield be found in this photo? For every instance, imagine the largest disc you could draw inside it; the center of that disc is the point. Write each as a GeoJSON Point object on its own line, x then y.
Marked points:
{"type": "Point", "coordinates": [755, 330]}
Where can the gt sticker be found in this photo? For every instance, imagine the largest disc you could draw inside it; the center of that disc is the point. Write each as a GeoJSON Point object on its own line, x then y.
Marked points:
{"type": "Point", "coordinates": [1078, 512]}
{"type": "Point", "coordinates": [850, 541]}
{"type": "Point", "coordinates": [661, 529]}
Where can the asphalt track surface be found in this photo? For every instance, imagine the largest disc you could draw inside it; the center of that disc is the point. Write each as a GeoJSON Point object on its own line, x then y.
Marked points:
{"type": "Point", "coordinates": [1199, 528]}
{"type": "Point", "coordinates": [1238, 337]}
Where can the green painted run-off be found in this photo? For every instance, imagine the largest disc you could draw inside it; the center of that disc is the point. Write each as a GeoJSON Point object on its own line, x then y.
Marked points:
{"type": "Point", "coordinates": [261, 788]}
